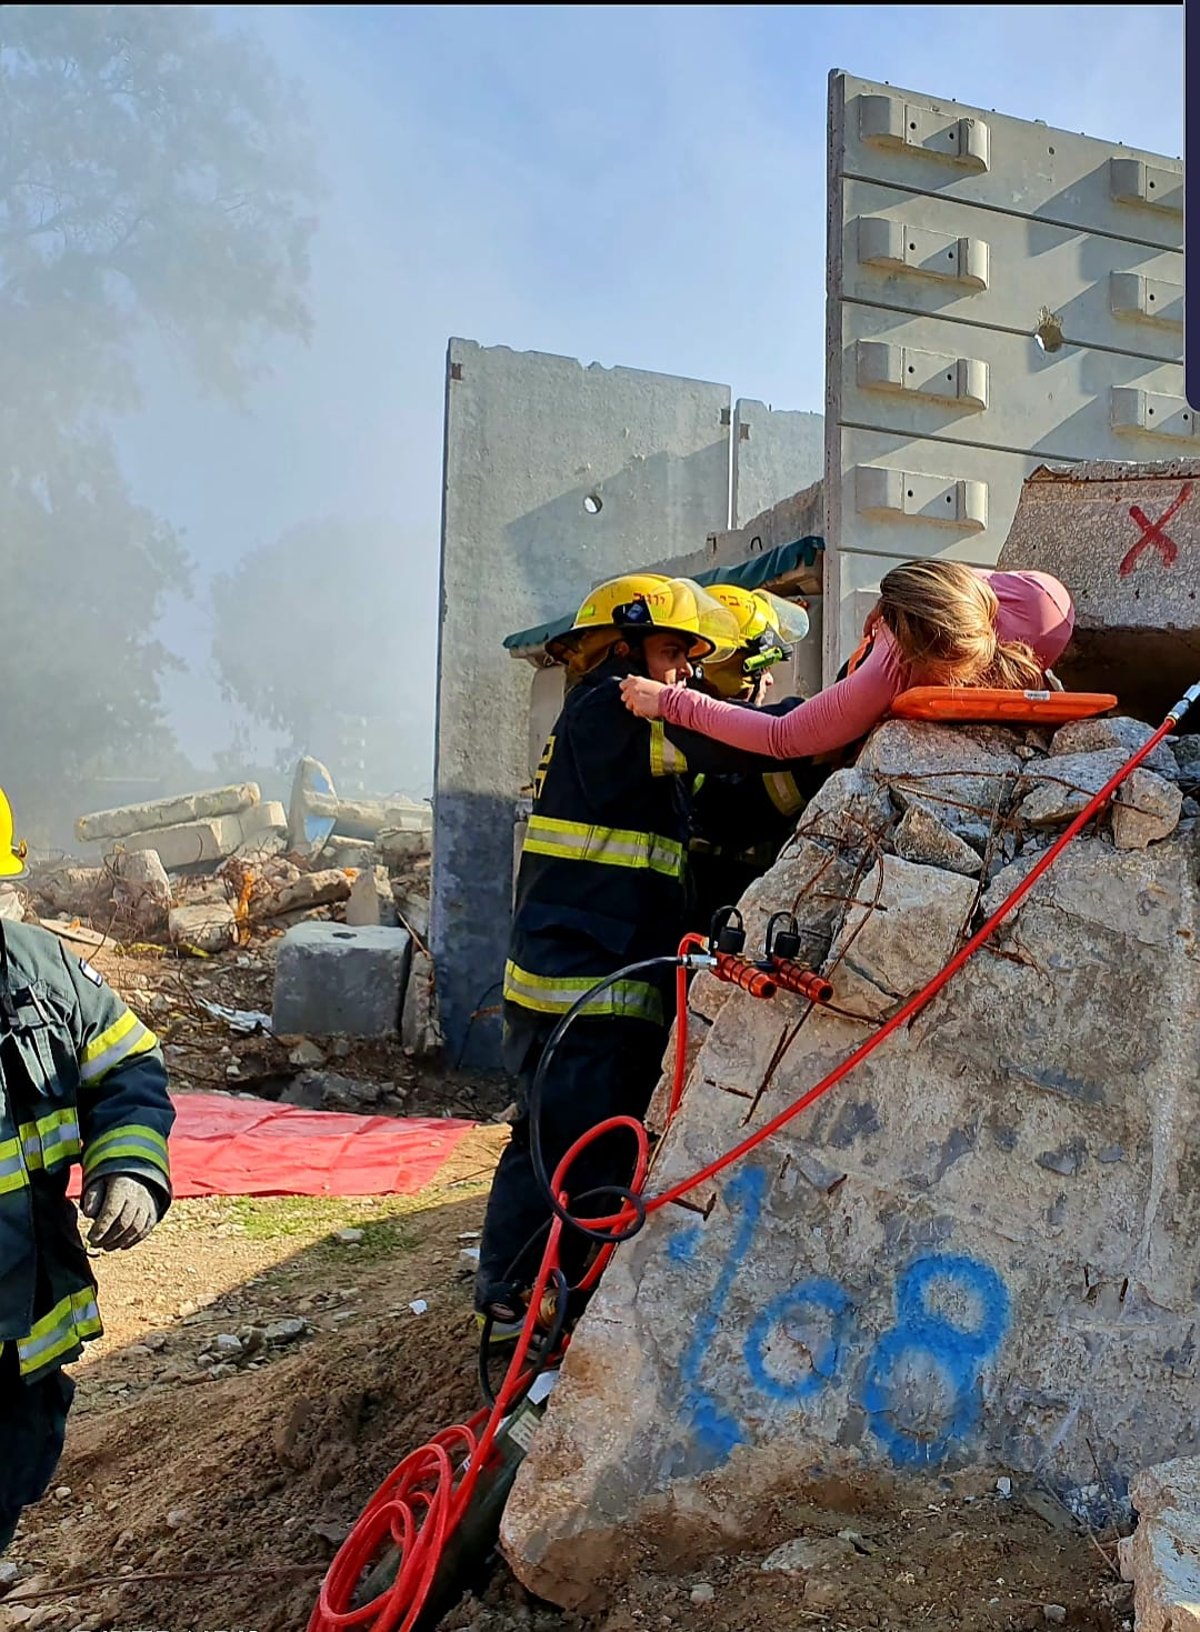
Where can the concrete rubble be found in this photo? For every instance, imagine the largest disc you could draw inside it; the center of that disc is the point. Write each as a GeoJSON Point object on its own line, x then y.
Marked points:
{"type": "Point", "coordinates": [209, 872]}
{"type": "Point", "coordinates": [980, 1251]}
{"type": "Point", "coordinates": [1162, 1557]}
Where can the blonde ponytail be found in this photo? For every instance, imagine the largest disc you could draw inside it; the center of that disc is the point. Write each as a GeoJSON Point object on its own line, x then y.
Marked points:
{"type": "Point", "coordinates": [943, 617]}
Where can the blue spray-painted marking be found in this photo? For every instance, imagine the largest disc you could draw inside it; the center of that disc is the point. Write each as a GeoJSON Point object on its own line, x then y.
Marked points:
{"type": "Point", "coordinates": [716, 1429]}
{"type": "Point", "coordinates": [823, 1310]}
{"type": "Point", "coordinates": [920, 1389]}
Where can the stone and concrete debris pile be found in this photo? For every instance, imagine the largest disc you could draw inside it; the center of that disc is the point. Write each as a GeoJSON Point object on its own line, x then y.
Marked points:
{"type": "Point", "coordinates": [211, 871]}
{"type": "Point", "coordinates": [981, 1250]}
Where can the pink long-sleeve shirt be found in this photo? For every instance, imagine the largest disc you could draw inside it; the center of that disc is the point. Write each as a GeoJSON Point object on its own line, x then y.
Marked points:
{"type": "Point", "coordinates": [1034, 608]}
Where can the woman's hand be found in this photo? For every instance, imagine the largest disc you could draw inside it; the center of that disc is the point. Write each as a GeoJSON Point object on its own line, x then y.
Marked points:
{"type": "Point", "coordinates": [872, 620]}
{"type": "Point", "coordinates": [642, 697]}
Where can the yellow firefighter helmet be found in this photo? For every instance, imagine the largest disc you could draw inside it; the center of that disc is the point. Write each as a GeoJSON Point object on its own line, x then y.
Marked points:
{"type": "Point", "coordinates": [646, 603]}
{"type": "Point", "coordinates": [768, 627]}
{"type": "Point", "coordinates": [12, 852]}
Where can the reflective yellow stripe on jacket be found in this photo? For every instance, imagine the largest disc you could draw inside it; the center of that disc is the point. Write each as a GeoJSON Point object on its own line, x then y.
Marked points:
{"type": "Point", "coordinates": [612, 846]}
{"type": "Point", "coordinates": [125, 1038]}
{"type": "Point", "coordinates": [783, 792]}
{"type": "Point", "coordinates": [50, 1140]}
{"type": "Point", "coordinates": [623, 1000]}
{"type": "Point", "coordinates": [12, 1167]}
{"type": "Point", "coordinates": [129, 1142]}
{"type": "Point", "coordinates": [71, 1322]}
{"type": "Point", "coordinates": [665, 758]}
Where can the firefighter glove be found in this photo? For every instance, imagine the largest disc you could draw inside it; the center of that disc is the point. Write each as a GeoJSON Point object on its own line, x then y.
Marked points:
{"type": "Point", "coordinates": [125, 1210]}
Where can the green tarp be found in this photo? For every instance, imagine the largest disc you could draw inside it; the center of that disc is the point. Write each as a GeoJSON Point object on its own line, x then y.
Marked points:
{"type": "Point", "coordinates": [751, 574]}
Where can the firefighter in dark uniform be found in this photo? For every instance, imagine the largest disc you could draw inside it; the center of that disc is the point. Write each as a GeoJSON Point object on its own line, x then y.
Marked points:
{"type": "Point", "coordinates": [81, 1080]}
{"type": "Point", "coordinates": [741, 819]}
{"type": "Point", "coordinates": [602, 883]}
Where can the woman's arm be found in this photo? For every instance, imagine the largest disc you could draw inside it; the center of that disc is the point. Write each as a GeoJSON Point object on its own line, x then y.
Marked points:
{"type": "Point", "coordinates": [831, 719]}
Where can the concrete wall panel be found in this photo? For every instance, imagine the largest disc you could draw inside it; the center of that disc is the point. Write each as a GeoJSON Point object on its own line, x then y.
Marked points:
{"type": "Point", "coordinates": [1019, 166]}
{"type": "Point", "coordinates": [1031, 265]}
{"type": "Point", "coordinates": [874, 538]}
{"type": "Point", "coordinates": [921, 377]}
{"type": "Point", "coordinates": [775, 454]}
{"type": "Point", "coordinates": [953, 233]}
{"type": "Point", "coordinates": [556, 475]}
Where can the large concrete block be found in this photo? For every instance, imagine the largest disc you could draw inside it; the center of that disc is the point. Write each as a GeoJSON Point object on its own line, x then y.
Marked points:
{"type": "Point", "coordinates": [191, 842]}
{"type": "Point", "coordinates": [1125, 539]}
{"type": "Point", "coordinates": [979, 1251]}
{"type": "Point", "coordinates": [556, 476]}
{"type": "Point", "coordinates": [333, 980]}
{"type": "Point", "coordinates": [167, 813]}
{"type": "Point", "coordinates": [1163, 1554]}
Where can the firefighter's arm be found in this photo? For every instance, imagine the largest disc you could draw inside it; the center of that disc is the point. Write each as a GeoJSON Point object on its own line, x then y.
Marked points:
{"type": "Point", "coordinates": [125, 1111]}
{"type": "Point", "coordinates": [680, 750]}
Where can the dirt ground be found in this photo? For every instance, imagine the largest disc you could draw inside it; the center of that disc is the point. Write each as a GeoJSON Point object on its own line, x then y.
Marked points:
{"type": "Point", "coordinates": [209, 1481]}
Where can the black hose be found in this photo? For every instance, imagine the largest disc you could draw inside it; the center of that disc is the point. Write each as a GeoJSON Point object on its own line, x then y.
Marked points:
{"type": "Point", "coordinates": [620, 1192]}
{"type": "Point", "coordinates": [546, 1346]}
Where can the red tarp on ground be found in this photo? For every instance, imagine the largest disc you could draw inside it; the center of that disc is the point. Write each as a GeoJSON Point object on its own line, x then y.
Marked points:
{"type": "Point", "coordinates": [224, 1146]}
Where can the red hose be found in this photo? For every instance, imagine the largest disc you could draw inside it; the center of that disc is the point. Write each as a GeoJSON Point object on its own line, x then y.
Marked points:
{"type": "Point", "coordinates": [422, 1501]}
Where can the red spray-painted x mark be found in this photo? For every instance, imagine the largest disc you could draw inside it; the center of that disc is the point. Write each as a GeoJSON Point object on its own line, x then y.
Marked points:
{"type": "Point", "coordinates": [1153, 532]}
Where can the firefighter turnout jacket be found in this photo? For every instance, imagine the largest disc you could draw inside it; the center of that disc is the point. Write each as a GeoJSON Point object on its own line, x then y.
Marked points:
{"type": "Point", "coordinates": [603, 874]}
{"type": "Point", "coordinates": [81, 1079]}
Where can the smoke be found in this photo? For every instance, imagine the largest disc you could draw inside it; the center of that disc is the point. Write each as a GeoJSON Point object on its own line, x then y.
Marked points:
{"type": "Point", "coordinates": [636, 185]}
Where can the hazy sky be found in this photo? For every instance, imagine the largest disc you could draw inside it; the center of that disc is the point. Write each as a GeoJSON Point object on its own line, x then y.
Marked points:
{"type": "Point", "coordinates": [628, 185]}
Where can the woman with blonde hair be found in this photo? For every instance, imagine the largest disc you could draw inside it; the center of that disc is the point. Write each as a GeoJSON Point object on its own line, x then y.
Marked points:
{"type": "Point", "coordinates": [936, 623]}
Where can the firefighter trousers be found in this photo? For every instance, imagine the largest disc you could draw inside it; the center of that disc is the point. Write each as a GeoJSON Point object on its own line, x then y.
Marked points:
{"type": "Point", "coordinates": [33, 1424]}
{"type": "Point", "coordinates": [603, 1067]}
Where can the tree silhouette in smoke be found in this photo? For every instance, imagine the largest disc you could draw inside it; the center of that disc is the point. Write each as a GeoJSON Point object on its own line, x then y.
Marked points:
{"type": "Point", "coordinates": [154, 174]}
{"type": "Point", "coordinates": [307, 637]}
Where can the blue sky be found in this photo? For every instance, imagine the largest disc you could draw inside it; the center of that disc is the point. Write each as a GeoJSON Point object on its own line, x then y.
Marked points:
{"type": "Point", "coordinates": [629, 185]}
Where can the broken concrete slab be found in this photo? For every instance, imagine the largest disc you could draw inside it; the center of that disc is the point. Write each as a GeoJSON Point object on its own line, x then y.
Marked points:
{"type": "Point", "coordinates": [1145, 810]}
{"type": "Point", "coordinates": [333, 980]}
{"type": "Point", "coordinates": [12, 905]}
{"type": "Point", "coordinates": [167, 813]}
{"type": "Point", "coordinates": [319, 889]}
{"type": "Point", "coordinates": [74, 890]}
{"type": "Point", "coordinates": [412, 908]}
{"type": "Point", "coordinates": [1057, 789]}
{"type": "Point", "coordinates": [191, 844]}
{"type": "Point", "coordinates": [962, 775]}
{"type": "Point", "coordinates": [268, 816]}
{"type": "Point", "coordinates": [367, 818]}
{"type": "Point", "coordinates": [77, 934]}
{"type": "Point", "coordinates": [420, 1033]}
{"type": "Point", "coordinates": [142, 888]}
{"type": "Point", "coordinates": [920, 837]}
{"type": "Point", "coordinates": [210, 926]}
{"type": "Point", "coordinates": [371, 900]}
{"type": "Point", "coordinates": [1137, 618]}
{"type": "Point", "coordinates": [1162, 1557]}
{"type": "Point", "coordinates": [1114, 731]}
{"type": "Point", "coordinates": [358, 854]}
{"type": "Point", "coordinates": [399, 846]}
{"type": "Point", "coordinates": [907, 921]}
{"type": "Point", "coordinates": [954, 1261]}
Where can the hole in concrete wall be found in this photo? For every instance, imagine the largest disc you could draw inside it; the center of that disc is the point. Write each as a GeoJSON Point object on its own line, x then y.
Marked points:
{"type": "Point", "coordinates": [1048, 333]}
{"type": "Point", "coordinates": [593, 504]}
{"type": "Point", "coordinates": [1147, 669]}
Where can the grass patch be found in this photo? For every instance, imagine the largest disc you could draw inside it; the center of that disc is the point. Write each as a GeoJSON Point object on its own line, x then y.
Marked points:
{"type": "Point", "coordinates": [386, 1225]}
